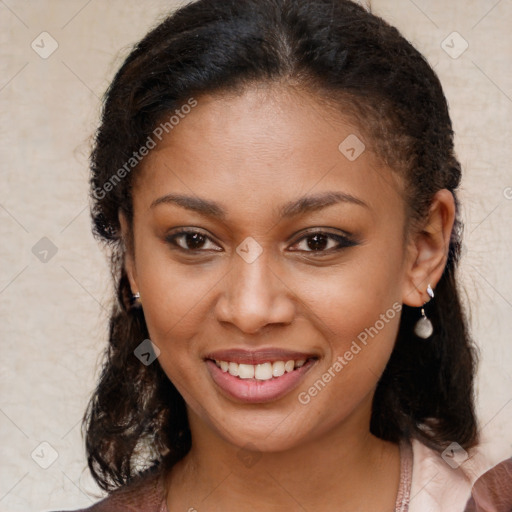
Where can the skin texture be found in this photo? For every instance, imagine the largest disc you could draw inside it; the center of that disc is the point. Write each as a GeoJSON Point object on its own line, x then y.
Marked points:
{"type": "Point", "coordinates": [252, 153]}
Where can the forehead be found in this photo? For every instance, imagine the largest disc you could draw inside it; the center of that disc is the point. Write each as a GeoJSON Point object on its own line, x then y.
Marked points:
{"type": "Point", "coordinates": [266, 144]}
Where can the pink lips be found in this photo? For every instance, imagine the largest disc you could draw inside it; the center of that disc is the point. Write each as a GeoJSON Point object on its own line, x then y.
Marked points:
{"type": "Point", "coordinates": [253, 390]}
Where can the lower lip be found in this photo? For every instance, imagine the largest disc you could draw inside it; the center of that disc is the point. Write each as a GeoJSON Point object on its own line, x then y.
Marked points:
{"type": "Point", "coordinates": [257, 391]}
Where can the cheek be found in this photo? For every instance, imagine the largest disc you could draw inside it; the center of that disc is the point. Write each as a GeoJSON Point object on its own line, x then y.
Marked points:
{"type": "Point", "coordinates": [360, 326]}
{"type": "Point", "coordinates": [174, 295]}
{"type": "Point", "coordinates": [350, 300]}
{"type": "Point", "coordinates": [175, 305]}
{"type": "Point", "coordinates": [361, 330]}
{"type": "Point", "coordinates": [357, 306]}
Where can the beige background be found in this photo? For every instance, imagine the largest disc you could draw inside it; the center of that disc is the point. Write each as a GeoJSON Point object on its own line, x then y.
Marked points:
{"type": "Point", "coordinates": [54, 314]}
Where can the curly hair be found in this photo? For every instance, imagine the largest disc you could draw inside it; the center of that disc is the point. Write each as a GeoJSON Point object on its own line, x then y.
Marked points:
{"type": "Point", "coordinates": [364, 69]}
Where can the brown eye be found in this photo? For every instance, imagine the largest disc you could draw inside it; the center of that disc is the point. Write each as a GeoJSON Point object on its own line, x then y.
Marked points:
{"type": "Point", "coordinates": [194, 240]}
{"type": "Point", "coordinates": [317, 242]}
{"type": "Point", "coordinates": [191, 241]}
{"type": "Point", "coordinates": [321, 242]}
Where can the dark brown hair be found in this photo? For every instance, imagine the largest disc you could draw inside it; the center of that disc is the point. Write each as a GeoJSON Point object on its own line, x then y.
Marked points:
{"type": "Point", "coordinates": [363, 67]}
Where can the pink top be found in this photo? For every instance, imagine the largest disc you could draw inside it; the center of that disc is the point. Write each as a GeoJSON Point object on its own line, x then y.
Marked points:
{"type": "Point", "coordinates": [428, 483]}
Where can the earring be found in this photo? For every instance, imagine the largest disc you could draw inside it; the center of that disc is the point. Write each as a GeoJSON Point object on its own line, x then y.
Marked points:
{"type": "Point", "coordinates": [134, 297]}
{"type": "Point", "coordinates": [423, 328]}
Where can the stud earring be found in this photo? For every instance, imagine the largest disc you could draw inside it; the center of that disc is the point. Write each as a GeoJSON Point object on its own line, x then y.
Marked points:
{"type": "Point", "coordinates": [423, 328]}
{"type": "Point", "coordinates": [134, 297]}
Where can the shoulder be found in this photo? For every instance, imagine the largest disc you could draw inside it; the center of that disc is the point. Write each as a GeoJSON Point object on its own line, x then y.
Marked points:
{"type": "Point", "coordinates": [443, 482]}
{"type": "Point", "coordinates": [145, 493]}
{"type": "Point", "coordinates": [492, 492]}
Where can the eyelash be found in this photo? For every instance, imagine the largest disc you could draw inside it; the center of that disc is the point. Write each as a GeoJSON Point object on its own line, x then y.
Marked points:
{"type": "Point", "coordinates": [343, 242]}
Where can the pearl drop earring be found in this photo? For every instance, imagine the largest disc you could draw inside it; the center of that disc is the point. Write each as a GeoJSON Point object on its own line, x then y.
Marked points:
{"type": "Point", "coordinates": [423, 328]}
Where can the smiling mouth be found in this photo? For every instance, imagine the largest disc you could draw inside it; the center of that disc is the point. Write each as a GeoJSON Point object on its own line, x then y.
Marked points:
{"type": "Point", "coordinates": [259, 376]}
{"type": "Point", "coordinates": [263, 371]}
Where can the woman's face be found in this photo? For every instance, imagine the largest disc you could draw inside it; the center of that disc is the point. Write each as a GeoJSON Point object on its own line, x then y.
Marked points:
{"type": "Point", "coordinates": [294, 252]}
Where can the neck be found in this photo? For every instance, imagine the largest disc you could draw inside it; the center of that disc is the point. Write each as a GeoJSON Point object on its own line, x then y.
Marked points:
{"type": "Point", "coordinates": [346, 465]}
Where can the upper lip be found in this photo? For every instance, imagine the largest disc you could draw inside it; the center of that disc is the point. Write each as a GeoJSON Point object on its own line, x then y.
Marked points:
{"type": "Point", "coordinates": [244, 356]}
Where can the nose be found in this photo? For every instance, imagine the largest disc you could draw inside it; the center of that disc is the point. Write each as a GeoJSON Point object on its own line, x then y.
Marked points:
{"type": "Point", "coordinates": [254, 296]}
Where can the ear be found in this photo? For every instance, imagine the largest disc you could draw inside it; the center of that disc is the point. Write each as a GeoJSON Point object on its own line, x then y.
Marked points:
{"type": "Point", "coordinates": [428, 250]}
{"type": "Point", "coordinates": [129, 256]}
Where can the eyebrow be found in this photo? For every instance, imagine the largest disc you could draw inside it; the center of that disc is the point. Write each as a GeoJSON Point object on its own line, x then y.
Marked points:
{"type": "Point", "coordinates": [304, 204]}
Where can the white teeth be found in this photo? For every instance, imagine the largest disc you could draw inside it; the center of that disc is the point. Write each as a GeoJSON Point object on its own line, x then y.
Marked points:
{"type": "Point", "coordinates": [245, 371]}
{"type": "Point", "coordinates": [263, 371]}
{"type": "Point", "coordinates": [278, 369]}
{"type": "Point", "coordinates": [233, 369]}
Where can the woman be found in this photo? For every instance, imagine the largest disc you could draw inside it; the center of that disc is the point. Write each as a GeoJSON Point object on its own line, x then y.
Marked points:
{"type": "Point", "coordinates": [277, 184]}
